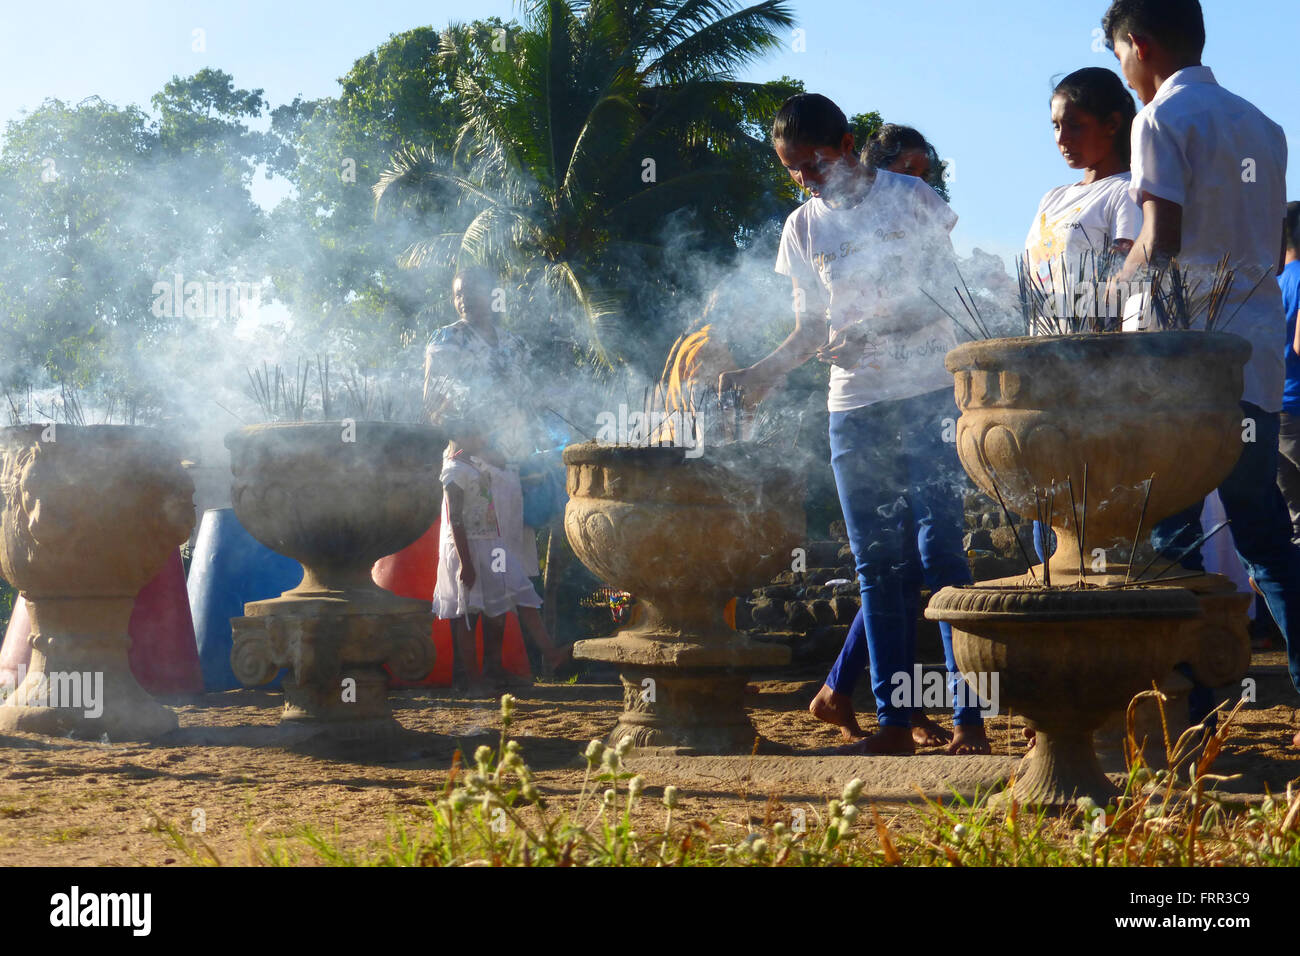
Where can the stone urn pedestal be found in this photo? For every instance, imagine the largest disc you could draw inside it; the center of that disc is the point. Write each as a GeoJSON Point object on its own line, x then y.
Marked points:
{"type": "Point", "coordinates": [90, 515]}
{"type": "Point", "coordinates": [1065, 659]}
{"type": "Point", "coordinates": [335, 497]}
{"type": "Point", "coordinates": [685, 536]}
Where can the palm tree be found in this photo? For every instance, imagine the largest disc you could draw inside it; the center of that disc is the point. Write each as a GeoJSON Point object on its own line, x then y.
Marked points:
{"type": "Point", "coordinates": [588, 132]}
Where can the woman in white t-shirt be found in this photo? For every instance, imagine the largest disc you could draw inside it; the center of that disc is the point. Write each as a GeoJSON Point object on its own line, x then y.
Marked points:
{"type": "Point", "coordinates": [1082, 229]}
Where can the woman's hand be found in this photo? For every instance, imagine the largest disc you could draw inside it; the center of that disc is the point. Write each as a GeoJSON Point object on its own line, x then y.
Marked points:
{"type": "Point", "coordinates": [468, 575]}
{"type": "Point", "coordinates": [846, 347]}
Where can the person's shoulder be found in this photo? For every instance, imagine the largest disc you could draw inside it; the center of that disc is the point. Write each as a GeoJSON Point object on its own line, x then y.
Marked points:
{"type": "Point", "coordinates": [1116, 185]}
{"type": "Point", "coordinates": [916, 196]}
{"type": "Point", "coordinates": [801, 215]}
{"type": "Point", "coordinates": [1054, 194]}
{"type": "Point", "coordinates": [1290, 277]}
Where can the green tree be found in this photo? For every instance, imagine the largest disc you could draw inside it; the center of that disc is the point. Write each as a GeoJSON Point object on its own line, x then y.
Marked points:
{"type": "Point", "coordinates": [97, 204]}
{"type": "Point", "coordinates": [605, 145]}
{"type": "Point", "coordinates": [334, 263]}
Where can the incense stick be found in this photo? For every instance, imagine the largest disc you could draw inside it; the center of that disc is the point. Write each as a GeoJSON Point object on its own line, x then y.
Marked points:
{"type": "Point", "coordinates": [1137, 534]}
{"type": "Point", "coordinates": [1029, 565]}
{"type": "Point", "coordinates": [1074, 511]}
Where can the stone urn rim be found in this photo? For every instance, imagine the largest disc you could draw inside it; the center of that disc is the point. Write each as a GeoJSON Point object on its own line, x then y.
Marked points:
{"type": "Point", "coordinates": [252, 430]}
{"type": "Point", "coordinates": [991, 353]}
{"type": "Point", "coordinates": [973, 604]}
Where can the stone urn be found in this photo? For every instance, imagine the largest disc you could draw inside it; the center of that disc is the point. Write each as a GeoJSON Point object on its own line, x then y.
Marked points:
{"type": "Point", "coordinates": [685, 536]}
{"type": "Point", "coordinates": [90, 515]}
{"type": "Point", "coordinates": [1129, 406]}
{"type": "Point", "coordinates": [1065, 658]}
{"type": "Point", "coordinates": [335, 497]}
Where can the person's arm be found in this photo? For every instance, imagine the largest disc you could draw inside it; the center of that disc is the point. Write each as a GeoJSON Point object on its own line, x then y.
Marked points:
{"type": "Point", "coordinates": [1161, 237]}
{"type": "Point", "coordinates": [456, 515]}
{"type": "Point", "coordinates": [1296, 344]}
{"type": "Point", "coordinates": [799, 346]}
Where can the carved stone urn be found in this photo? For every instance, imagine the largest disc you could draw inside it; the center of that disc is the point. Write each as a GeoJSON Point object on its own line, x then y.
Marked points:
{"type": "Point", "coordinates": [684, 536]}
{"type": "Point", "coordinates": [335, 497]}
{"type": "Point", "coordinates": [1066, 658]}
{"type": "Point", "coordinates": [90, 515]}
{"type": "Point", "coordinates": [1134, 406]}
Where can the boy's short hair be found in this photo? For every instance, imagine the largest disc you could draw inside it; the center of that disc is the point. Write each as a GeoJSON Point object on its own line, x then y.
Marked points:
{"type": "Point", "coordinates": [1292, 227]}
{"type": "Point", "coordinates": [809, 119]}
{"type": "Point", "coordinates": [1177, 25]}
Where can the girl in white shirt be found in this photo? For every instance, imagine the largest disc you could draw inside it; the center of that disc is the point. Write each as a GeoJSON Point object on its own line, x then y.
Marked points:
{"type": "Point", "coordinates": [1077, 225]}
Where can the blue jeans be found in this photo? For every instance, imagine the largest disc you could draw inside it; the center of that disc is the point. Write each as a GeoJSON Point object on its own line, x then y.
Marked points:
{"type": "Point", "coordinates": [1261, 531]}
{"type": "Point", "coordinates": [901, 489]}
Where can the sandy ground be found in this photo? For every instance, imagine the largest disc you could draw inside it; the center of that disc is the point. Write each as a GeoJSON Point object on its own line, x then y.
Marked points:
{"type": "Point", "coordinates": [72, 802]}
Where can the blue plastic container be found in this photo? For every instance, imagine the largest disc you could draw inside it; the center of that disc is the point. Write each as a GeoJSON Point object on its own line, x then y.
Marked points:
{"type": "Point", "coordinates": [230, 568]}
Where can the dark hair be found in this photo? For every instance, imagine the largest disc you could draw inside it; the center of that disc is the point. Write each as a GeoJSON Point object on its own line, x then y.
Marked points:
{"type": "Point", "coordinates": [1177, 25]}
{"type": "Point", "coordinates": [1100, 93]}
{"type": "Point", "coordinates": [891, 141]}
{"type": "Point", "coordinates": [474, 274]}
{"type": "Point", "coordinates": [1293, 226]}
{"type": "Point", "coordinates": [809, 119]}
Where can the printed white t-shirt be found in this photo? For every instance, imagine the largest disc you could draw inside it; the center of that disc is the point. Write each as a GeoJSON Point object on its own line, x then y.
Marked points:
{"type": "Point", "coordinates": [868, 264]}
{"type": "Point", "coordinates": [1224, 162]}
{"type": "Point", "coordinates": [1076, 223]}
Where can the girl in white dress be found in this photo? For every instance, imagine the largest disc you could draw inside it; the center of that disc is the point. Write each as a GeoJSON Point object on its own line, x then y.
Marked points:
{"type": "Point", "coordinates": [479, 569]}
{"type": "Point", "coordinates": [475, 380]}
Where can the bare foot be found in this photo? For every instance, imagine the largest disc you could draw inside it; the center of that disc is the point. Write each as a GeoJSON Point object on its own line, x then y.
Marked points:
{"type": "Point", "coordinates": [926, 732]}
{"type": "Point", "coordinates": [969, 740]}
{"type": "Point", "coordinates": [837, 709]}
{"type": "Point", "coordinates": [559, 661]}
{"type": "Point", "coordinates": [887, 741]}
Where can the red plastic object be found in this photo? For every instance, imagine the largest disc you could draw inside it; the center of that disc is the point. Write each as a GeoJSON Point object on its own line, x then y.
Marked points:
{"type": "Point", "coordinates": [164, 656]}
{"type": "Point", "coordinates": [413, 573]}
{"type": "Point", "coordinates": [16, 653]}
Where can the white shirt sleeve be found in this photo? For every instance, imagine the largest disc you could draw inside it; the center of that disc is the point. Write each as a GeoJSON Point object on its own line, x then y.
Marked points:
{"type": "Point", "coordinates": [932, 208]}
{"type": "Point", "coordinates": [1159, 166]}
{"type": "Point", "coordinates": [794, 261]}
{"type": "Point", "coordinates": [1126, 217]}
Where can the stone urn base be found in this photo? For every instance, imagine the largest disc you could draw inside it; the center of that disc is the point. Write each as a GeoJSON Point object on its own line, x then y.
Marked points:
{"type": "Point", "coordinates": [335, 650]}
{"type": "Point", "coordinates": [1066, 659]}
{"type": "Point", "coordinates": [79, 682]}
{"type": "Point", "coordinates": [684, 697]}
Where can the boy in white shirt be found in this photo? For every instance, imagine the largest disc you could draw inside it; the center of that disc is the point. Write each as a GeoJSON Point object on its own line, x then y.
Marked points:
{"type": "Point", "coordinates": [1209, 170]}
{"type": "Point", "coordinates": [858, 254]}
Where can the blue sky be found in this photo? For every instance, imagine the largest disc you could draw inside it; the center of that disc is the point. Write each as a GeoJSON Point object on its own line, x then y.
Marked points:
{"type": "Point", "coordinates": [973, 75]}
